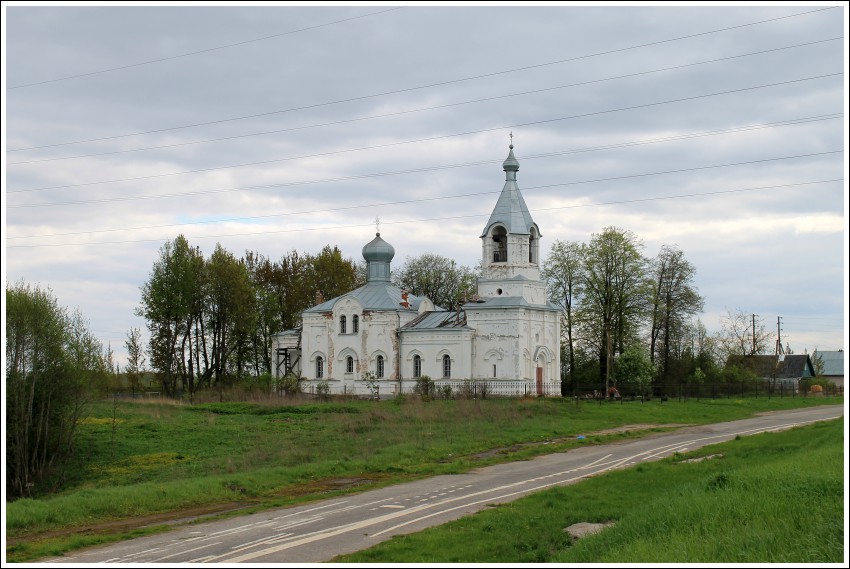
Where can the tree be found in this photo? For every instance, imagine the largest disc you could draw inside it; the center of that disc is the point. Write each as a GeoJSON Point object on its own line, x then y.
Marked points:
{"type": "Point", "coordinates": [674, 301]}
{"type": "Point", "coordinates": [329, 272]}
{"type": "Point", "coordinates": [615, 293]}
{"type": "Point", "coordinates": [437, 278]}
{"type": "Point", "coordinates": [564, 274]}
{"type": "Point", "coordinates": [634, 370]}
{"type": "Point", "coordinates": [135, 368]}
{"type": "Point", "coordinates": [744, 334]}
{"type": "Point", "coordinates": [229, 316]}
{"type": "Point", "coordinates": [171, 305]}
{"type": "Point", "coordinates": [53, 366]}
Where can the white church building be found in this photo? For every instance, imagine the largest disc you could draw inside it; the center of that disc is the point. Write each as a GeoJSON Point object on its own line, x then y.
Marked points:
{"type": "Point", "coordinates": [506, 336]}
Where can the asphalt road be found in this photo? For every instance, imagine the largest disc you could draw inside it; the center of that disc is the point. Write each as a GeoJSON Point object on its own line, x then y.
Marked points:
{"type": "Point", "coordinates": [318, 531]}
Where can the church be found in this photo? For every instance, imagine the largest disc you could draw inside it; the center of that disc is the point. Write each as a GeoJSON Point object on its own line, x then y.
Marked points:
{"type": "Point", "coordinates": [507, 335]}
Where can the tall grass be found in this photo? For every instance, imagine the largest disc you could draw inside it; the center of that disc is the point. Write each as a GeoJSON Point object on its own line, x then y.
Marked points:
{"type": "Point", "coordinates": [160, 457]}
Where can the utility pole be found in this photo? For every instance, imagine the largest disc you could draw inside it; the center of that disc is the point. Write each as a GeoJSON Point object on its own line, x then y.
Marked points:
{"type": "Point", "coordinates": [779, 349]}
{"type": "Point", "coordinates": [753, 352]}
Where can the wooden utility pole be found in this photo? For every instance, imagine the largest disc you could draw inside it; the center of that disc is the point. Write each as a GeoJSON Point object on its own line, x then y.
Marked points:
{"type": "Point", "coordinates": [753, 352]}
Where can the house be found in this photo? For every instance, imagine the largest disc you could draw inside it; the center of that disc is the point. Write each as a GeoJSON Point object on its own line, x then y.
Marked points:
{"type": "Point", "coordinates": [833, 366]}
{"type": "Point", "coordinates": [508, 334]}
{"type": "Point", "coordinates": [786, 369]}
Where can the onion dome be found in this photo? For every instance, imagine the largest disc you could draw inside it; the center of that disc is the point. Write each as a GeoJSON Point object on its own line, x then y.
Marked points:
{"type": "Point", "coordinates": [378, 254]}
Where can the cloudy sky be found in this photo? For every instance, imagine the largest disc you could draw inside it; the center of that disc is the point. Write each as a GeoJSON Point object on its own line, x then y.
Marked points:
{"type": "Point", "coordinates": [280, 127]}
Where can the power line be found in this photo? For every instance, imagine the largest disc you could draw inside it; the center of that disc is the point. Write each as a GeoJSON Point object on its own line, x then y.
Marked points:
{"type": "Point", "coordinates": [410, 111]}
{"type": "Point", "coordinates": [383, 174]}
{"type": "Point", "coordinates": [532, 123]}
{"type": "Point", "coordinates": [546, 155]}
{"type": "Point", "coordinates": [200, 51]}
{"type": "Point", "coordinates": [408, 89]}
{"type": "Point", "coordinates": [478, 215]}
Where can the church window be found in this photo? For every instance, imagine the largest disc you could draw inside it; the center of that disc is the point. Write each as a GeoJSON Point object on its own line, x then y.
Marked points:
{"type": "Point", "coordinates": [342, 324]}
{"type": "Point", "coordinates": [531, 249]}
{"type": "Point", "coordinates": [500, 245]}
{"type": "Point", "coordinates": [494, 370]}
{"type": "Point", "coordinates": [447, 366]}
{"type": "Point", "coordinates": [379, 366]}
{"type": "Point", "coordinates": [355, 324]}
{"type": "Point", "coordinates": [349, 364]}
{"type": "Point", "coordinates": [417, 366]}
{"type": "Point", "coordinates": [320, 367]}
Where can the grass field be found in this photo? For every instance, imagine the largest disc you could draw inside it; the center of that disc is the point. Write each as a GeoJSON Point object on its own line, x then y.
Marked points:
{"type": "Point", "coordinates": [140, 464]}
{"type": "Point", "coordinates": [769, 498]}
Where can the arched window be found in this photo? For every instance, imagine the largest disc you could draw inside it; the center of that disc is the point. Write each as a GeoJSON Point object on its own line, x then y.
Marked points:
{"type": "Point", "coordinates": [342, 324]}
{"type": "Point", "coordinates": [447, 366]}
{"type": "Point", "coordinates": [531, 249]}
{"type": "Point", "coordinates": [355, 324]}
{"type": "Point", "coordinates": [379, 366]}
{"type": "Point", "coordinates": [320, 367]}
{"type": "Point", "coordinates": [349, 364]}
{"type": "Point", "coordinates": [500, 245]}
{"type": "Point", "coordinates": [417, 366]}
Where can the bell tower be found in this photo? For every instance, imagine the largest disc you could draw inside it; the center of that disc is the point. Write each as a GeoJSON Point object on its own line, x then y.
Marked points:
{"type": "Point", "coordinates": [510, 244]}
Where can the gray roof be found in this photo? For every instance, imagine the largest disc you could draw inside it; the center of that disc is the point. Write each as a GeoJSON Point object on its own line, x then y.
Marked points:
{"type": "Point", "coordinates": [437, 319]}
{"type": "Point", "coordinates": [790, 365]}
{"type": "Point", "coordinates": [376, 295]}
{"type": "Point", "coordinates": [833, 361]}
{"type": "Point", "coordinates": [507, 302]}
{"type": "Point", "coordinates": [510, 209]}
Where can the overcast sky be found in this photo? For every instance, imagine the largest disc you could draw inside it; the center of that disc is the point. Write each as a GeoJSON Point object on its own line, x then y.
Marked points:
{"type": "Point", "coordinates": [276, 127]}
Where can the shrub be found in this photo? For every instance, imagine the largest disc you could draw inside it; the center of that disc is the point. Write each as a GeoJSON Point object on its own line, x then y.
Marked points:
{"type": "Point", "coordinates": [425, 387]}
{"type": "Point", "coordinates": [289, 384]}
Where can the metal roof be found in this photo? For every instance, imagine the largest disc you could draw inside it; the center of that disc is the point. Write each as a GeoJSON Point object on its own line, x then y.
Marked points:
{"type": "Point", "coordinates": [510, 209]}
{"type": "Point", "coordinates": [437, 319]}
{"type": "Point", "coordinates": [833, 361]}
{"type": "Point", "coordinates": [375, 295]}
{"type": "Point", "coordinates": [784, 366]}
{"type": "Point", "coordinates": [507, 302]}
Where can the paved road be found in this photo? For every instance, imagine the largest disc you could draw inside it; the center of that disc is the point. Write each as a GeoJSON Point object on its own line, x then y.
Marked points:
{"type": "Point", "coordinates": [318, 531]}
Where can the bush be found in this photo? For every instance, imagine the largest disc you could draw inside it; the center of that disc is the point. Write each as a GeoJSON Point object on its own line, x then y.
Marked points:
{"type": "Point", "coordinates": [323, 390]}
{"type": "Point", "coordinates": [289, 384]}
{"type": "Point", "coordinates": [425, 387]}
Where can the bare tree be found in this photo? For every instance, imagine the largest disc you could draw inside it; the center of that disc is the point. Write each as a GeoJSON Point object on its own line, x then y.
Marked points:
{"type": "Point", "coordinates": [745, 334]}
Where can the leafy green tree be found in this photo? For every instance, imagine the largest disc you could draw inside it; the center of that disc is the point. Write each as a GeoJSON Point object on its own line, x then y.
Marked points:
{"type": "Point", "coordinates": [230, 316]}
{"type": "Point", "coordinates": [674, 301]}
{"type": "Point", "coordinates": [564, 274]}
{"type": "Point", "coordinates": [634, 370]}
{"type": "Point", "coordinates": [53, 366]}
{"type": "Point", "coordinates": [135, 367]}
{"type": "Point", "coordinates": [172, 304]}
{"type": "Point", "coordinates": [437, 278]}
{"type": "Point", "coordinates": [615, 296]}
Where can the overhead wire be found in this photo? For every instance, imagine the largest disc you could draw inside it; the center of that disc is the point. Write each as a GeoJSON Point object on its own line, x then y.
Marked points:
{"type": "Point", "coordinates": [467, 133]}
{"type": "Point", "coordinates": [161, 59]}
{"type": "Point", "coordinates": [790, 122]}
{"type": "Point", "coordinates": [438, 84]}
{"type": "Point", "coordinates": [477, 215]}
{"type": "Point", "coordinates": [410, 111]}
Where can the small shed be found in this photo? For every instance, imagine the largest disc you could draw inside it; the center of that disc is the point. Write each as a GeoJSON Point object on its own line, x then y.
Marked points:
{"type": "Point", "coordinates": [832, 366]}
